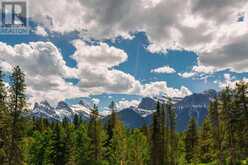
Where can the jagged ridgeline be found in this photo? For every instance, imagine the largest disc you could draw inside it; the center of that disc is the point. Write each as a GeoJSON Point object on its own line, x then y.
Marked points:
{"type": "Point", "coordinates": [205, 128]}
{"type": "Point", "coordinates": [195, 105]}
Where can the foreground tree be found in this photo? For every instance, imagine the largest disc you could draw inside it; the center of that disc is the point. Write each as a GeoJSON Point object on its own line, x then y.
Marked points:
{"type": "Point", "coordinates": [97, 137]}
{"type": "Point", "coordinates": [138, 148]}
{"type": "Point", "coordinates": [4, 117]}
{"type": "Point", "coordinates": [16, 107]}
{"type": "Point", "coordinates": [191, 142]}
{"type": "Point", "coordinates": [217, 130]}
{"type": "Point", "coordinates": [205, 142]}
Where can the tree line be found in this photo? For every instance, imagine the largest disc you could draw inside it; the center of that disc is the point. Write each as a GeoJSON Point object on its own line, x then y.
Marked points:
{"type": "Point", "coordinates": [222, 139]}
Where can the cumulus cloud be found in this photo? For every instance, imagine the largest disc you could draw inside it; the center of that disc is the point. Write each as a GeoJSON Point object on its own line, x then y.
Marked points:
{"type": "Point", "coordinates": [199, 71]}
{"type": "Point", "coordinates": [186, 74]}
{"type": "Point", "coordinates": [127, 103]}
{"type": "Point", "coordinates": [164, 69]}
{"type": "Point", "coordinates": [95, 69]}
{"type": "Point", "coordinates": [207, 27]}
{"type": "Point", "coordinates": [159, 87]}
{"type": "Point", "coordinates": [46, 72]}
{"type": "Point", "coordinates": [203, 69]}
{"type": "Point", "coordinates": [36, 58]}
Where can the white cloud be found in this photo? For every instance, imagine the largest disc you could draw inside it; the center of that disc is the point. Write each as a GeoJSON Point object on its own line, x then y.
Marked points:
{"type": "Point", "coordinates": [229, 81]}
{"type": "Point", "coordinates": [95, 69]}
{"type": "Point", "coordinates": [203, 69]}
{"type": "Point", "coordinates": [36, 58]}
{"type": "Point", "coordinates": [186, 74]}
{"type": "Point", "coordinates": [100, 55]}
{"type": "Point", "coordinates": [41, 31]}
{"type": "Point", "coordinates": [159, 87]}
{"type": "Point", "coordinates": [210, 28]}
{"type": "Point", "coordinates": [127, 103]}
{"type": "Point", "coordinates": [164, 69]}
{"type": "Point", "coordinates": [46, 72]}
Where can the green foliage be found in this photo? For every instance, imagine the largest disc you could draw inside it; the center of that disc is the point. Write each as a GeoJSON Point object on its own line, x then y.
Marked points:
{"type": "Point", "coordinates": [205, 142]}
{"type": "Point", "coordinates": [191, 142]}
{"type": "Point", "coordinates": [221, 140]}
{"type": "Point", "coordinates": [138, 148]}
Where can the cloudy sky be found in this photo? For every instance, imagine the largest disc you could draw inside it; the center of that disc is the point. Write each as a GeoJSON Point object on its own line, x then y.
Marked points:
{"type": "Point", "coordinates": [123, 50]}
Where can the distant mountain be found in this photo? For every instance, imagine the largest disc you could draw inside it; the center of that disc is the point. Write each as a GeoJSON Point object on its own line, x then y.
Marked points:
{"type": "Point", "coordinates": [148, 103]}
{"type": "Point", "coordinates": [195, 105]}
{"type": "Point", "coordinates": [129, 117]}
{"type": "Point", "coordinates": [61, 111]}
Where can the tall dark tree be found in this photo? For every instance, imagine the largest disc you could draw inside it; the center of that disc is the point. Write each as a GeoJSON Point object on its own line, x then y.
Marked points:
{"type": "Point", "coordinates": [4, 117]}
{"type": "Point", "coordinates": [217, 129]}
{"type": "Point", "coordinates": [206, 143]}
{"type": "Point", "coordinates": [191, 142]}
{"type": "Point", "coordinates": [156, 155]}
{"type": "Point", "coordinates": [241, 103]}
{"type": "Point", "coordinates": [172, 134]}
{"type": "Point", "coordinates": [59, 152]}
{"type": "Point", "coordinates": [17, 106]}
{"type": "Point", "coordinates": [111, 123]}
{"type": "Point", "coordinates": [230, 119]}
{"type": "Point", "coordinates": [97, 137]}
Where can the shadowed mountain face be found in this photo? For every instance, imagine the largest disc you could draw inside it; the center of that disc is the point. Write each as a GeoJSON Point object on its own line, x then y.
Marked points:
{"type": "Point", "coordinates": [195, 105]}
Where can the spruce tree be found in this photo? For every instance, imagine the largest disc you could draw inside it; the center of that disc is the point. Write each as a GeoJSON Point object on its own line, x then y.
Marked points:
{"type": "Point", "coordinates": [217, 129]}
{"type": "Point", "coordinates": [205, 142]}
{"type": "Point", "coordinates": [191, 142]}
{"type": "Point", "coordinates": [230, 119]}
{"type": "Point", "coordinates": [97, 137]}
{"type": "Point", "coordinates": [81, 143]}
{"type": "Point", "coordinates": [241, 102]}
{"type": "Point", "coordinates": [172, 138]}
{"type": "Point", "coordinates": [118, 145]}
{"type": "Point", "coordinates": [17, 105]}
{"type": "Point", "coordinates": [138, 148]}
{"type": "Point", "coordinates": [4, 117]}
{"type": "Point", "coordinates": [58, 153]}
{"type": "Point", "coordinates": [156, 155]}
{"type": "Point", "coordinates": [111, 123]}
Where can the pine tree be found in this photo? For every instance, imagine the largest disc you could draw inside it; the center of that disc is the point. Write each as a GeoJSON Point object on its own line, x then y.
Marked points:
{"type": "Point", "coordinates": [111, 123]}
{"type": "Point", "coordinates": [156, 155]}
{"type": "Point", "coordinates": [118, 145]}
{"type": "Point", "coordinates": [230, 119]}
{"type": "Point", "coordinates": [97, 138]}
{"type": "Point", "coordinates": [17, 105]}
{"type": "Point", "coordinates": [76, 121]}
{"type": "Point", "coordinates": [39, 149]}
{"type": "Point", "coordinates": [191, 142]}
{"type": "Point", "coordinates": [241, 102]}
{"type": "Point", "coordinates": [4, 117]}
{"type": "Point", "coordinates": [58, 153]}
{"type": "Point", "coordinates": [81, 143]}
{"type": "Point", "coordinates": [172, 134]}
{"type": "Point", "coordinates": [205, 142]}
{"type": "Point", "coordinates": [217, 129]}
{"type": "Point", "coordinates": [138, 148]}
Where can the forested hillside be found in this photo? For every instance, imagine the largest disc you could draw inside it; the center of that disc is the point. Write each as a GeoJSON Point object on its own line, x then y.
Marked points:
{"type": "Point", "coordinates": [221, 139]}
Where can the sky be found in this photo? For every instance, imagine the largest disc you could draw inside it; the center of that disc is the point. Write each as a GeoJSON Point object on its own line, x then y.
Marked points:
{"type": "Point", "coordinates": [123, 50]}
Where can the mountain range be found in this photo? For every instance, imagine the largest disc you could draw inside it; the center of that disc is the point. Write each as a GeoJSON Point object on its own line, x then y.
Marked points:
{"type": "Point", "coordinates": [195, 105]}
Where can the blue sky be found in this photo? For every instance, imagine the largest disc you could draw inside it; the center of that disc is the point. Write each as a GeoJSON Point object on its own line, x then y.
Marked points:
{"type": "Point", "coordinates": [182, 45]}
